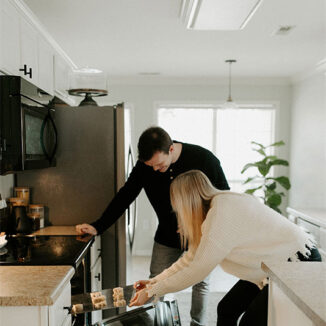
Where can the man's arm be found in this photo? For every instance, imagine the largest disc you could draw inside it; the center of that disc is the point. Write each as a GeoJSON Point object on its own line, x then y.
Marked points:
{"type": "Point", "coordinates": [213, 170]}
{"type": "Point", "coordinates": [125, 196]}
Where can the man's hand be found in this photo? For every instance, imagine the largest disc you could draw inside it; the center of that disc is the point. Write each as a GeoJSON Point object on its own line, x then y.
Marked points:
{"type": "Point", "coordinates": [86, 228]}
{"type": "Point", "coordinates": [139, 285]}
{"type": "Point", "coordinates": [140, 298]}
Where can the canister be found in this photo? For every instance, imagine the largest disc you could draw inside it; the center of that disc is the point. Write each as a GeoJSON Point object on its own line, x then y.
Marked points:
{"type": "Point", "coordinates": [22, 192]}
{"type": "Point", "coordinates": [37, 210]}
{"type": "Point", "coordinates": [35, 221]}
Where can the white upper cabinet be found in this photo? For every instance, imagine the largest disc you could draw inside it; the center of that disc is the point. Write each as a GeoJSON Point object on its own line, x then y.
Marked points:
{"type": "Point", "coordinates": [9, 38]}
{"type": "Point", "coordinates": [45, 66]}
{"type": "Point", "coordinates": [29, 52]}
{"type": "Point", "coordinates": [61, 76]}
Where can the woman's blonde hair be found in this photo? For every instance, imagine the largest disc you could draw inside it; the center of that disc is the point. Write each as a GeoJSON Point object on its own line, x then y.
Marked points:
{"type": "Point", "coordinates": [191, 194]}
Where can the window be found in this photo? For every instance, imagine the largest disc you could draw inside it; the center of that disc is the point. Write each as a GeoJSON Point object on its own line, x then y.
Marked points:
{"type": "Point", "coordinates": [227, 133]}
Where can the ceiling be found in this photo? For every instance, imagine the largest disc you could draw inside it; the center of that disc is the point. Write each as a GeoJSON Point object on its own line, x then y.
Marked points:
{"type": "Point", "coordinates": [128, 37]}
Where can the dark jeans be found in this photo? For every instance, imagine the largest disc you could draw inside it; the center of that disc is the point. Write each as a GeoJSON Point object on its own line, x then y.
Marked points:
{"type": "Point", "coordinates": [247, 299]}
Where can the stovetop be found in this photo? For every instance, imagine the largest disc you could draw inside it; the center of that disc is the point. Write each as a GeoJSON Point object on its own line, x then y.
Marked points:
{"type": "Point", "coordinates": [45, 250]}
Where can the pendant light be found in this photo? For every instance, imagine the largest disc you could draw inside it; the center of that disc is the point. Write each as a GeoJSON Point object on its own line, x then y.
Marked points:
{"type": "Point", "coordinates": [230, 104]}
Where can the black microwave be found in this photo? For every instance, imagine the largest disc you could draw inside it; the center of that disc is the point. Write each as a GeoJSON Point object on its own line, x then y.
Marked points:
{"type": "Point", "coordinates": [28, 135]}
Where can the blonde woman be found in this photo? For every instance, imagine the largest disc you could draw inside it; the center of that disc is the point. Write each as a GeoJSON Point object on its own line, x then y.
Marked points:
{"type": "Point", "coordinates": [236, 231]}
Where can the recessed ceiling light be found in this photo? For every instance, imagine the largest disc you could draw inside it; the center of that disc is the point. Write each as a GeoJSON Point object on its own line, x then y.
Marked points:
{"type": "Point", "coordinates": [283, 30]}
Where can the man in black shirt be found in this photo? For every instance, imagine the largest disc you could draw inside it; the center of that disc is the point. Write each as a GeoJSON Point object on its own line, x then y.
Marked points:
{"type": "Point", "coordinates": [160, 160]}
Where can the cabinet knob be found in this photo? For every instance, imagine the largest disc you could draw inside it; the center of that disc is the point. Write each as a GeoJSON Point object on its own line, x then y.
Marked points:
{"type": "Point", "coordinates": [98, 276]}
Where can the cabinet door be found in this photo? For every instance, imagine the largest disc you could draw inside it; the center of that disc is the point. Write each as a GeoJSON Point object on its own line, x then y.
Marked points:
{"type": "Point", "coordinates": [45, 66]}
{"type": "Point", "coordinates": [96, 285]}
{"type": "Point", "coordinates": [57, 313]}
{"type": "Point", "coordinates": [29, 53]}
{"type": "Point", "coordinates": [9, 38]}
{"type": "Point", "coordinates": [61, 76]}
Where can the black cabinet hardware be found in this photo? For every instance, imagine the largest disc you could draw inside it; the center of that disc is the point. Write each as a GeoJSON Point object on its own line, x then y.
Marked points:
{"type": "Point", "coordinates": [26, 72]}
{"type": "Point", "coordinates": [98, 276]}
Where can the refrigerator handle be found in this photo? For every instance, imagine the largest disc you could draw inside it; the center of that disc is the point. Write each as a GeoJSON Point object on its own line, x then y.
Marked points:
{"type": "Point", "coordinates": [131, 234]}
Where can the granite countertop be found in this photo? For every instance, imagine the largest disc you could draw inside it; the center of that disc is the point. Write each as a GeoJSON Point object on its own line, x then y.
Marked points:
{"type": "Point", "coordinates": [313, 215]}
{"type": "Point", "coordinates": [32, 285]}
{"type": "Point", "coordinates": [57, 230]}
{"type": "Point", "coordinates": [305, 285]}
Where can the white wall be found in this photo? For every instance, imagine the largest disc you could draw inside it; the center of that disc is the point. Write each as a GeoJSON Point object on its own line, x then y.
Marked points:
{"type": "Point", "coordinates": [6, 185]}
{"type": "Point", "coordinates": [308, 143]}
{"type": "Point", "coordinates": [143, 98]}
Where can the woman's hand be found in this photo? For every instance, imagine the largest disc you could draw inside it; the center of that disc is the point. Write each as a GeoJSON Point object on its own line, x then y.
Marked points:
{"type": "Point", "coordinates": [86, 228]}
{"type": "Point", "coordinates": [139, 285]}
{"type": "Point", "coordinates": [140, 298]}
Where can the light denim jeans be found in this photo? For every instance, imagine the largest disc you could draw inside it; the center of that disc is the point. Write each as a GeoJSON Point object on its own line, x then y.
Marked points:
{"type": "Point", "coordinates": [162, 258]}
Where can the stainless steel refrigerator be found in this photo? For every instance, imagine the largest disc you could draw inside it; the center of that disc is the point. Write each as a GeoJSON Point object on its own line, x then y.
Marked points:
{"type": "Point", "coordinates": [94, 157]}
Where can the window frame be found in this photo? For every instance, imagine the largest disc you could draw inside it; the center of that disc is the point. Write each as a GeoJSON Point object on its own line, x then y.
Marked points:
{"type": "Point", "coordinates": [275, 105]}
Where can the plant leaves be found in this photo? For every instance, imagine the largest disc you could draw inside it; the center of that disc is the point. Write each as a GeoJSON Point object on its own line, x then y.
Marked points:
{"type": "Point", "coordinates": [284, 182]}
{"type": "Point", "coordinates": [271, 157]}
{"type": "Point", "coordinates": [249, 165]}
{"type": "Point", "coordinates": [279, 162]}
{"type": "Point", "coordinates": [271, 186]}
{"type": "Point", "coordinates": [263, 168]}
{"type": "Point", "coordinates": [260, 151]}
{"type": "Point", "coordinates": [279, 143]}
{"type": "Point", "coordinates": [250, 179]}
{"type": "Point", "coordinates": [252, 190]}
{"type": "Point", "coordinates": [260, 145]}
{"type": "Point", "coordinates": [274, 200]}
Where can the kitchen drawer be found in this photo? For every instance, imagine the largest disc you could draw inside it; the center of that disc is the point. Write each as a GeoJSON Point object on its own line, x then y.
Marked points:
{"type": "Point", "coordinates": [310, 228]}
{"type": "Point", "coordinates": [57, 313]}
{"type": "Point", "coordinates": [95, 250]}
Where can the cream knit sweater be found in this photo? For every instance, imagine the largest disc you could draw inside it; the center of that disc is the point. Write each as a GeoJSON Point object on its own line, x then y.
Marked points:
{"type": "Point", "coordinates": [239, 232]}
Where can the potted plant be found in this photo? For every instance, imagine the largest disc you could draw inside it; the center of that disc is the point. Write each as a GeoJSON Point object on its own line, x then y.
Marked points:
{"type": "Point", "coordinates": [268, 184]}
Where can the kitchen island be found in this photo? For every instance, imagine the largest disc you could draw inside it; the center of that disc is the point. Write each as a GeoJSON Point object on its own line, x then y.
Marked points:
{"type": "Point", "coordinates": [297, 294]}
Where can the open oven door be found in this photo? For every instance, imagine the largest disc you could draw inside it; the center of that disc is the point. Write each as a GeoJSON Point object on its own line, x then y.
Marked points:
{"type": "Point", "coordinates": [164, 313]}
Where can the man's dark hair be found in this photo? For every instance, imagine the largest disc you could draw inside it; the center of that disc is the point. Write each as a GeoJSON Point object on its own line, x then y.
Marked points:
{"type": "Point", "coordinates": [152, 140]}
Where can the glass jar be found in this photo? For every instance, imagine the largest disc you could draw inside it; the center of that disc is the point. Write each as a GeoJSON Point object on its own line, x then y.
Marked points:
{"type": "Point", "coordinates": [22, 192]}
{"type": "Point", "coordinates": [37, 210]}
{"type": "Point", "coordinates": [35, 221]}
